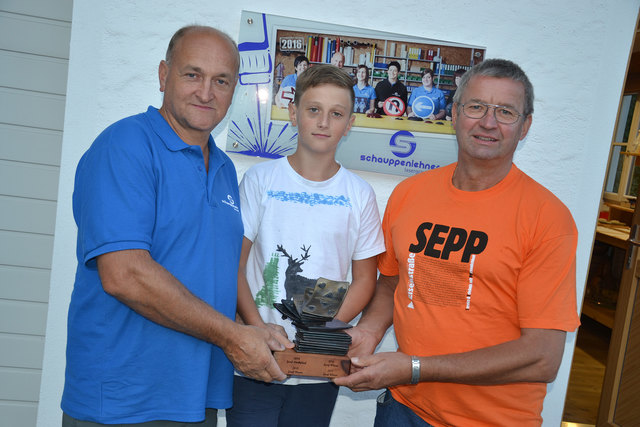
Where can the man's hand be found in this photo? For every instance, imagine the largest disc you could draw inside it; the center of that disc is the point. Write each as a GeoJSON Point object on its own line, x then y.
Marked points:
{"type": "Point", "coordinates": [377, 371]}
{"type": "Point", "coordinates": [249, 349]}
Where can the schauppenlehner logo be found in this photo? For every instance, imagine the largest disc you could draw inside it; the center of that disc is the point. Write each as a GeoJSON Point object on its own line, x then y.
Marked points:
{"type": "Point", "coordinates": [230, 202]}
{"type": "Point", "coordinates": [402, 145]}
{"type": "Point", "coordinates": [403, 142]}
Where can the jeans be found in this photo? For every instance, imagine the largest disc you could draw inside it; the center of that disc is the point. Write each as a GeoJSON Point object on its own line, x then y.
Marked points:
{"type": "Point", "coordinates": [391, 413]}
{"type": "Point", "coordinates": [259, 404]}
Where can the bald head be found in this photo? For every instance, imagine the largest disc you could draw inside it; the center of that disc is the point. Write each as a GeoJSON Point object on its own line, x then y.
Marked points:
{"type": "Point", "coordinates": [337, 59]}
{"type": "Point", "coordinates": [174, 43]}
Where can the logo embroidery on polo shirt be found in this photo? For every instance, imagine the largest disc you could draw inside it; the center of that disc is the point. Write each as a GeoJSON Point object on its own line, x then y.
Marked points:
{"type": "Point", "coordinates": [231, 202]}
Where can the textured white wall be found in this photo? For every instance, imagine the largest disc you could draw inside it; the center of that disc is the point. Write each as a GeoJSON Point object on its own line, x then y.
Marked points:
{"type": "Point", "coordinates": [574, 51]}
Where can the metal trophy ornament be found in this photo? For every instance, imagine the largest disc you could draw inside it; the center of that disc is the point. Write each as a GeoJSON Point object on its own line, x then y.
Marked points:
{"type": "Point", "coordinates": [321, 343]}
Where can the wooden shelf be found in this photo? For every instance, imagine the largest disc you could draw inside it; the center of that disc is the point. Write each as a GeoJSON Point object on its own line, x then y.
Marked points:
{"type": "Point", "coordinates": [619, 207]}
{"type": "Point", "coordinates": [614, 236]}
{"type": "Point", "coordinates": [622, 214]}
{"type": "Point", "coordinates": [599, 313]}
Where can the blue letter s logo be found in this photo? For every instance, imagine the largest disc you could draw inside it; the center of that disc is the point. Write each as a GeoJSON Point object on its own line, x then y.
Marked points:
{"type": "Point", "coordinates": [403, 141]}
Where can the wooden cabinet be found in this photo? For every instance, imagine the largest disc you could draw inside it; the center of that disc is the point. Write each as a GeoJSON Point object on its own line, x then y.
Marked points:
{"type": "Point", "coordinates": [605, 272]}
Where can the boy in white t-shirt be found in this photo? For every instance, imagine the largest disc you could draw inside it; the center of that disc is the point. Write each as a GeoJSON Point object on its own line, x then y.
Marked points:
{"type": "Point", "coordinates": [305, 216]}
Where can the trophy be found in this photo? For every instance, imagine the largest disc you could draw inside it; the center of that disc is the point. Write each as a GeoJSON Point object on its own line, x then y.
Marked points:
{"type": "Point", "coordinates": [321, 343]}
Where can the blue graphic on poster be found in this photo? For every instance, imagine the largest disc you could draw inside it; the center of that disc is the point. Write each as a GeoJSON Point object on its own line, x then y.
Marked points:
{"type": "Point", "coordinates": [403, 143]}
{"type": "Point", "coordinates": [255, 134]}
{"type": "Point", "coordinates": [423, 106]}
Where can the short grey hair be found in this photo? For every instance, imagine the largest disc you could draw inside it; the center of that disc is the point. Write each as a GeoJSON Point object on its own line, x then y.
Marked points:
{"type": "Point", "coordinates": [500, 68]}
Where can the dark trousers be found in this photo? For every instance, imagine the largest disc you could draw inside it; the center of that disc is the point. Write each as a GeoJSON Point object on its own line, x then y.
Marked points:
{"type": "Point", "coordinates": [259, 404]}
{"type": "Point", "coordinates": [391, 413]}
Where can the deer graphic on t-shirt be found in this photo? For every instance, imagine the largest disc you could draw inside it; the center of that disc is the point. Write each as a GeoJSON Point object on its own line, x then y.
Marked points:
{"type": "Point", "coordinates": [294, 283]}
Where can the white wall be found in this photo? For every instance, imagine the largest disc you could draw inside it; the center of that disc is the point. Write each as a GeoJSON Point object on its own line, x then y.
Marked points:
{"type": "Point", "coordinates": [34, 53]}
{"type": "Point", "coordinates": [574, 51]}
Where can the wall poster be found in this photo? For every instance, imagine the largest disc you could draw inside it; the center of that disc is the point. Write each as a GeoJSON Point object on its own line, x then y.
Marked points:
{"type": "Point", "coordinates": [386, 140]}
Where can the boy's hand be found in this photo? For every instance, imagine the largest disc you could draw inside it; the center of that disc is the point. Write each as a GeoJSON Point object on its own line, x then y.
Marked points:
{"type": "Point", "coordinates": [363, 343]}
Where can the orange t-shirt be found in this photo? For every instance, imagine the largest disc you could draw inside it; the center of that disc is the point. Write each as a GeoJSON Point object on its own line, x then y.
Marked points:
{"type": "Point", "coordinates": [474, 268]}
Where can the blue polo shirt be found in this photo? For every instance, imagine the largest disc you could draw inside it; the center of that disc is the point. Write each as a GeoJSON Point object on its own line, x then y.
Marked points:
{"type": "Point", "coordinates": [363, 98]}
{"type": "Point", "coordinates": [139, 186]}
{"type": "Point", "coordinates": [289, 80]}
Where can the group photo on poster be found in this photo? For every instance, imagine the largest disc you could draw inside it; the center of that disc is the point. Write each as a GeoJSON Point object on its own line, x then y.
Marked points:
{"type": "Point", "coordinates": [403, 89]}
{"type": "Point", "coordinates": [397, 84]}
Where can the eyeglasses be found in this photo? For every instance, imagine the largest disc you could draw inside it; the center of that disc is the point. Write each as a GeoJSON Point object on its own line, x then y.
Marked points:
{"type": "Point", "coordinates": [503, 114]}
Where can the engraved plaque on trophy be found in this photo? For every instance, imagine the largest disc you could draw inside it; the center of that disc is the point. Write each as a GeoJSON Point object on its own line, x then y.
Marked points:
{"type": "Point", "coordinates": [321, 343]}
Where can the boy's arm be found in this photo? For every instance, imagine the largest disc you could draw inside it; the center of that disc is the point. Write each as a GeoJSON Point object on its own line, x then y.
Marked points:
{"type": "Point", "coordinates": [363, 284]}
{"type": "Point", "coordinates": [376, 319]}
{"type": "Point", "coordinates": [372, 105]}
{"type": "Point", "coordinates": [246, 304]}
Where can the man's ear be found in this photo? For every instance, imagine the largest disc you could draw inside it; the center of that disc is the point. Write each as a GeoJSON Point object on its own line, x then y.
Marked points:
{"type": "Point", "coordinates": [526, 125]}
{"type": "Point", "coordinates": [454, 113]}
{"type": "Point", "coordinates": [163, 72]}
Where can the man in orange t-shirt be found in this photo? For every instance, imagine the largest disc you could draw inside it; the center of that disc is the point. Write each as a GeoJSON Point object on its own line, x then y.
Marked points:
{"type": "Point", "coordinates": [478, 277]}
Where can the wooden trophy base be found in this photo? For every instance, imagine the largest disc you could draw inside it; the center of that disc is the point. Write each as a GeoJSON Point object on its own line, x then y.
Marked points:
{"type": "Point", "coordinates": [293, 363]}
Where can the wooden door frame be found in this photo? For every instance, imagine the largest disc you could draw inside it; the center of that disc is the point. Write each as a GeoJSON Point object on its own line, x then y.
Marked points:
{"type": "Point", "coordinates": [630, 277]}
{"type": "Point", "coordinates": [622, 323]}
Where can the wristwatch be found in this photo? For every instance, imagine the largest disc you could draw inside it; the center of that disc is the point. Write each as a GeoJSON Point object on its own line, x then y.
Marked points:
{"type": "Point", "coordinates": [415, 370]}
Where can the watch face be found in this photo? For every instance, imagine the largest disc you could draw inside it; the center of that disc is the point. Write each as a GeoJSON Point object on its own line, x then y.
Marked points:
{"type": "Point", "coordinates": [394, 106]}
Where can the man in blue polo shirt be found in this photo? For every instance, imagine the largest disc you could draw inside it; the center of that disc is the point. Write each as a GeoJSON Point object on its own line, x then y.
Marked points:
{"type": "Point", "coordinates": [427, 102]}
{"type": "Point", "coordinates": [151, 331]}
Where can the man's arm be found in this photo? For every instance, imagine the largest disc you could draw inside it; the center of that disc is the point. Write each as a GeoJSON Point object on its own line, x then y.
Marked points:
{"type": "Point", "coordinates": [363, 285]}
{"type": "Point", "coordinates": [136, 280]}
{"type": "Point", "coordinates": [380, 93]}
{"type": "Point", "coordinates": [440, 114]}
{"type": "Point", "coordinates": [440, 106]}
{"type": "Point", "coordinates": [534, 357]}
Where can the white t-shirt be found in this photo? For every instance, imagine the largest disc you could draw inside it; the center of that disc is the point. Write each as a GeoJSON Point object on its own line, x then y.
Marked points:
{"type": "Point", "coordinates": [302, 230]}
